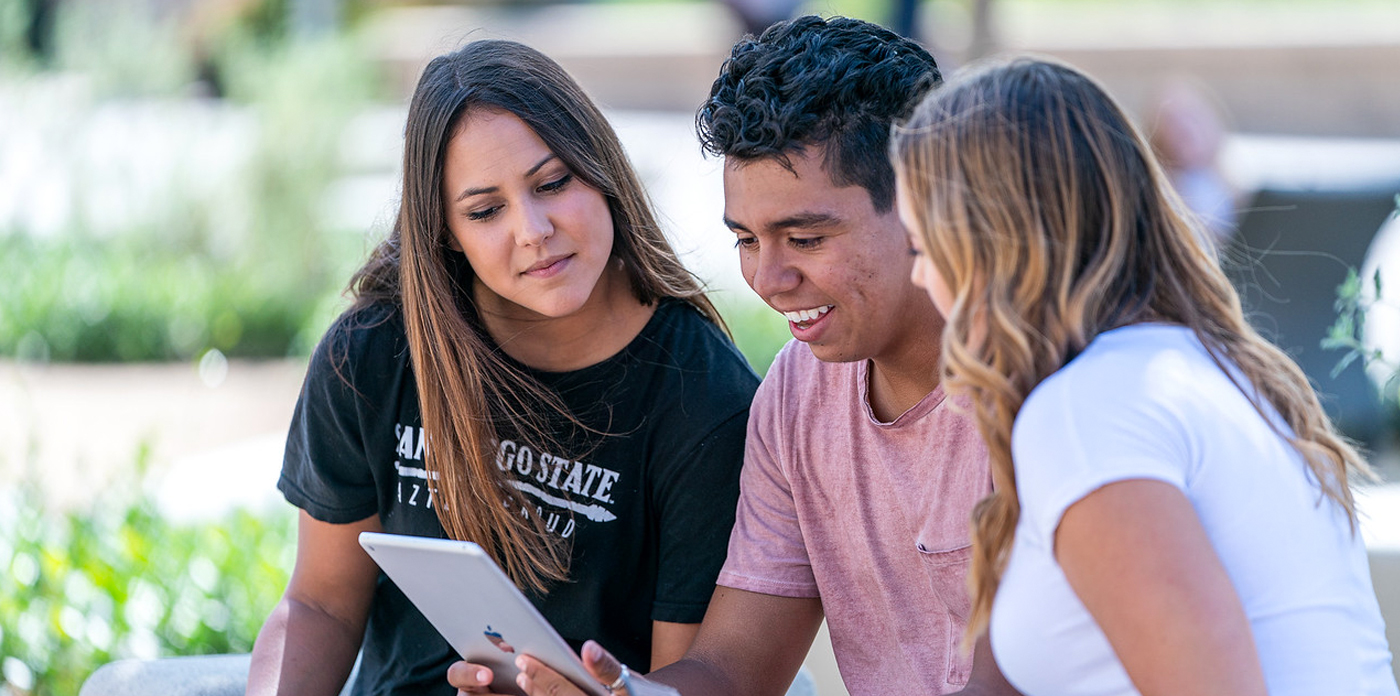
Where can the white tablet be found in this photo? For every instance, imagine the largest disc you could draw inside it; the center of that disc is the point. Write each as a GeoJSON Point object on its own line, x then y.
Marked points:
{"type": "Point", "coordinates": [467, 598]}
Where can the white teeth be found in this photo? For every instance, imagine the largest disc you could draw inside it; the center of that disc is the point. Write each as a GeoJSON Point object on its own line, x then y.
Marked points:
{"type": "Point", "coordinates": [804, 315]}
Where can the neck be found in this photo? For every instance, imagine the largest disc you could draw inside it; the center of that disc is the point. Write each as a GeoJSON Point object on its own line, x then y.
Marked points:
{"type": "Point", "coordinates": [608, 321]}
{"type": "Point", "coordinates": [907, 370]}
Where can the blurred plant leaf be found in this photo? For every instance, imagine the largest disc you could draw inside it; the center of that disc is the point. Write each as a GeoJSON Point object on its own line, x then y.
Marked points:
{"type": "Point", "coordinates": [85, 587]}
{"type": "Point", "coordinates": [1348, 331]}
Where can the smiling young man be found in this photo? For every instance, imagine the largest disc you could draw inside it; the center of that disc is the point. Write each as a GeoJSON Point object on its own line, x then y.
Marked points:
{"type": "Point", "coordinates": [859, 477]}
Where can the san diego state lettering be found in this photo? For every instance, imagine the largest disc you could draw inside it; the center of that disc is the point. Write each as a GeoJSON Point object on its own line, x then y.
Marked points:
{"type": "Point", "coordinates": [585, 489]}
{"type": "Point", "coordinates": [413, 485]}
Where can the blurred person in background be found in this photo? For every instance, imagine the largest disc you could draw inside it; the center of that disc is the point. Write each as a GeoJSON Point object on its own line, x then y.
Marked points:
{"type": "Point", "coordinates": [860, 475]}
{"type": "Point", "coordinates": [1173, 511]}
{"type": "Point", "coordinates": [39, 29]}
{"type": "Point", "coordinates": [211, 25]}
{"type": "Point", "coordinates": [757, 15]}
{"type": "Point", "coordinates": [526, 365]}
{"type": "Point", "coordinates": [1187, 134]}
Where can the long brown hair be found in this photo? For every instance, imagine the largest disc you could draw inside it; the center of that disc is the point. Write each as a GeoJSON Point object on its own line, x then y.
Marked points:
{"type": "Point", "coordinates": [466, 389]}
{"type": "Point", "coordinates": [1046, 214]}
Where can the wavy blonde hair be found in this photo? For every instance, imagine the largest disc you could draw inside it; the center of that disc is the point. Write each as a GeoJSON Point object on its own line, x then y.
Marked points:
{"type": "Point", "coordinates": [1045, 213]}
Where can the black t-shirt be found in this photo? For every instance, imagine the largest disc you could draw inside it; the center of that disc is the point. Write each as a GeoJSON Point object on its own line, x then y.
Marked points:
{"type": "Point", "coordinates": [647, 509]}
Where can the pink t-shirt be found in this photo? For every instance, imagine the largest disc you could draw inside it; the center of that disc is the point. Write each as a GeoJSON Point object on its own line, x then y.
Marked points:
{"type": "Point", "coordinates": [871, 517]}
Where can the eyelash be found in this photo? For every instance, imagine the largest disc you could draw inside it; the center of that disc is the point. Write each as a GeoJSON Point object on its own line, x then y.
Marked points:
{"type": "Point", "coordinates": [546, 188]}
{"type": "Point", "coordinates": [803, 243]}
{"type": "Point", "coordinates": [557, 184]}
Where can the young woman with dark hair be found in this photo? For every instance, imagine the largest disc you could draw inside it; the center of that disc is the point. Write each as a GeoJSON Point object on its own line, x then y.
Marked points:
{"type": "Point", "coordinates": [526, 365]}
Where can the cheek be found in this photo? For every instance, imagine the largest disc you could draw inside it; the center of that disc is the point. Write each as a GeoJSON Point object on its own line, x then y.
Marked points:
{"type": "Point", "coordinates": [489, 253]}
{"type": "Point", "coordinates": [481, 250]}
{"type": "Point", "coordinates": [927, 277]}
{"type": "Point", "coordinates": [748, 264]}
{"type": "Point", "coordinates": [590, 211]}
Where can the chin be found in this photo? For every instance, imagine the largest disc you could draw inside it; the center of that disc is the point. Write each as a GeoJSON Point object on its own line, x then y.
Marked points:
{"type": "Point", "coordinates": [835, 353]}
{"type": "Point", "coordinates": [561, 307]}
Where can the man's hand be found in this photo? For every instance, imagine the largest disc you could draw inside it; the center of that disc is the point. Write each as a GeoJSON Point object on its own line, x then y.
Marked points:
{"type": "Point", "coordinates": [537, 679]}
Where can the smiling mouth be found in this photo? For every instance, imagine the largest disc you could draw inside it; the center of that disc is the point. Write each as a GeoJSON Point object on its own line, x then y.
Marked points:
{"type": "Point", "coordinates": [803, 318]}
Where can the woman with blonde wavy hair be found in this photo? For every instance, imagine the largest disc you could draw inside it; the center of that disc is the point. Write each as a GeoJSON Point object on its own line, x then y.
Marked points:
{"type": "Point", "coordinates": [1172, 510]}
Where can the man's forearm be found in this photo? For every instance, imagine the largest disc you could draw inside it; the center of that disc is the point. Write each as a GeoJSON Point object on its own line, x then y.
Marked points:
{"type": "Point", "coordinates": [695, 677]}
{"type": "Point", "coordinates": [750, 644]}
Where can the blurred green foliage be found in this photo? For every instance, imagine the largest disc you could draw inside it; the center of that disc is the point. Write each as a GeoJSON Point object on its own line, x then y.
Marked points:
{"type": "Point", "coordinates": [13, 18]}
{"type": "Point", "coordinates": [1355, 298]}
{"type": "Point", "coordinates": [251, 267]}
{"type": "Point", "coordinates": [758, 330]}
{"type": "Point", "coordinates": [80, 588]}
{"type": "Point", "coordinates": [130, 300]}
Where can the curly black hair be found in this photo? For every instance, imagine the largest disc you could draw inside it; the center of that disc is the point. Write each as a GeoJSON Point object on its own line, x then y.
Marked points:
{"type": "Point", "coordinates": [837, 82]}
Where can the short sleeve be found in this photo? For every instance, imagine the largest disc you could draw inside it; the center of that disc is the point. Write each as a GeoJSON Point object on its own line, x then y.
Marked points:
{"type": "Point", "coordinates": [1077, 433]}
{"type": "Point", "coordinates": [325, 470]}
{"type": "Point", "coordinates": [696, 500]}
{"type": "Point", "coordinates": [767, 553]}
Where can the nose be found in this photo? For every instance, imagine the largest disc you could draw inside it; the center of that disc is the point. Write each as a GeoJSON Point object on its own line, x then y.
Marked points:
{"type": "Point", "coordinates": [916, 272]}
{"type": "Point", "coordinates": [533, 224]}
{"type": "Point", "coordinates": [769, 272]}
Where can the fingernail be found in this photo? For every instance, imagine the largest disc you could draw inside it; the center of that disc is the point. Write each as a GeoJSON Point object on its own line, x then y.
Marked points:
{"type": "Point", "coordinates": [520, 662]}
{"type": "Point", "coordinates": [482, 675]}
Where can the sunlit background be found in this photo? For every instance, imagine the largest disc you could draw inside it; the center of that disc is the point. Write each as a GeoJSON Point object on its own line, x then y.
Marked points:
{"type": "Point", "coordinates": [186, 186]}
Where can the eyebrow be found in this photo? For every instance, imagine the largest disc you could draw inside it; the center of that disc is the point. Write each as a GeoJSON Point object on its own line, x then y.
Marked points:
{"type": "Point", "coordinates": [492, 189]}
{"type": "Point", "coordinates": [800, 221]}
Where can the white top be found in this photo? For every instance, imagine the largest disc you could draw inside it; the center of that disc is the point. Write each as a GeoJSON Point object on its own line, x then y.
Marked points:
{"type": "Point", "coordinates": [1148, 402]}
